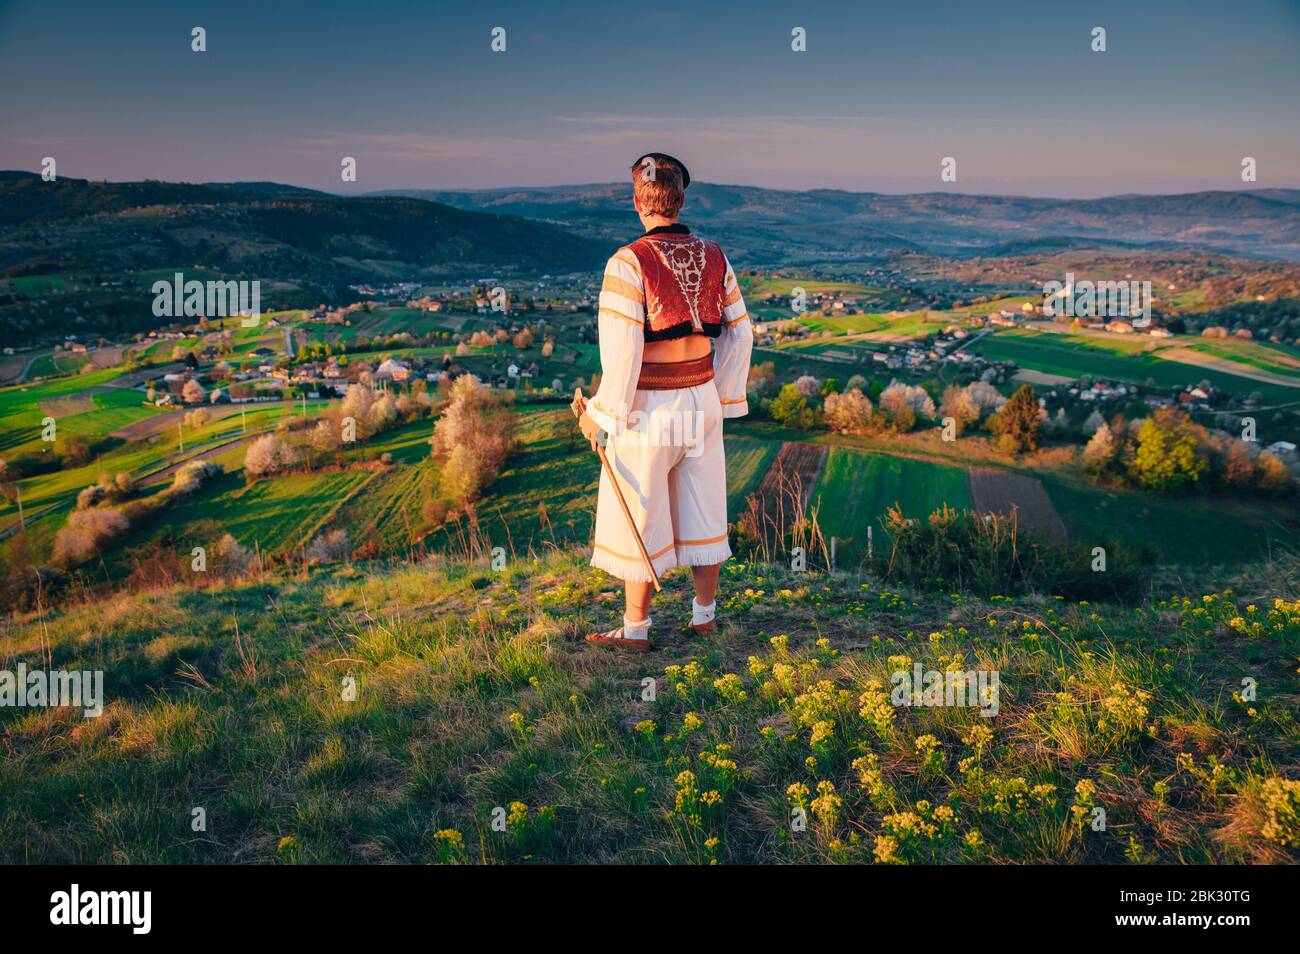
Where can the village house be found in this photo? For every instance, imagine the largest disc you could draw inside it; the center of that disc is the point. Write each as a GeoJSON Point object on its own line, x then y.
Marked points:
{"type": "Point", "coordinates": [392, 370]}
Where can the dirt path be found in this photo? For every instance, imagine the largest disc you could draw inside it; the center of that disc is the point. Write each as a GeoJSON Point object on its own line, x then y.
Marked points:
{"type": "Point", "coordinates": [27, 368]}
{"type": "Point", "coordinates": [149, 426]}
{"type": "Point", "coordinates": [1042, 378]}
{"type": "Point", "coordinates": [998, 491]}
{"type": "Point", "coordinates": [28, 519]}
{"type": "Point", "coordinates": [160, 475]}
{"type": "Point", "coordinates": [1200, 359]}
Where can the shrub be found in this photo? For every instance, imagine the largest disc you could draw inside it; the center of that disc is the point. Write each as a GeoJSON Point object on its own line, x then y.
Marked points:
{"type": "Point", "coordinates": [849, 412]}
{"type": "Point", "coordinates": [1273, 477]}
{"type": "Point", "coordinates": [1101, 454]}
{"type": "Point", "coordinates": [412, 405]}
{"type": "Point", "coordinates": [332, 547]}
{"type": "Point", "coordinates": [955, 549]}
{"type": "Point", "coordinates": [1237, 461]}
{"type": "Point", "coordinates": [1019, 423]}
{"type": "Point", "coordinates": [1170, 451]}
{"type": "Point", "coordinates": [192, 392]}
{"type": "Point", "coordinates": [989, 554]}
{"type": "Point", "coordinates": [383, 412]}
{"type": "Point", "coordinates": [232, 558]}
{"type": "Point", "coordinates": [92, 496]}
{"type": "Point", "coordinates": [356, 404]}
{"type": "Point", "coordinates": [323, 437]}
{"type": "Point", "coordinates": [77, 450]}
{"type": "Point", "coordinates": [791, 408]}
{"type": "Point", "coordinates": [762, 378]}
{"type": "Point", "coordinates": [193, 474]}
{"type": "Point", "coordinates": [268, 454]}
{"type": "Point", "coordinates": [86, 533]}
{"type": "Point", "coordinates": [905, 404]}
{"type": "Point", "coordinates": [474, 437]}
{"type": "Point", "coordinates": [970, 405]}
{"type": "Point", "coordinates": [808, 386]}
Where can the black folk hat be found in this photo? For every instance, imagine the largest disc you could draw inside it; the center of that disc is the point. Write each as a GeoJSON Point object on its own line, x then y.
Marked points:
{"type": "Point", "coordinates": [664, 157]}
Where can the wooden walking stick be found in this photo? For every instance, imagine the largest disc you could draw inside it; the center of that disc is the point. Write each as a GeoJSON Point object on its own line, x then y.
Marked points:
{"type": "Point", "coordinates": [579, 406]}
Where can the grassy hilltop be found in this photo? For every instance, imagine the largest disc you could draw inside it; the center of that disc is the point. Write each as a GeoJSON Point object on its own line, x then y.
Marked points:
{"type": "Point", "coordinates": [476, 693]}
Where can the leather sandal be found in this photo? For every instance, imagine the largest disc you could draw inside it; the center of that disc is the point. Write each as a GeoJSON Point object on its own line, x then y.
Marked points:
{"type": "Point", "coordinates": [617, 640]}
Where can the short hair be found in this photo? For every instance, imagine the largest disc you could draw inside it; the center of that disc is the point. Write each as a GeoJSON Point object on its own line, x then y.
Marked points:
{"type": "Point", "coordinates": [657, 185]}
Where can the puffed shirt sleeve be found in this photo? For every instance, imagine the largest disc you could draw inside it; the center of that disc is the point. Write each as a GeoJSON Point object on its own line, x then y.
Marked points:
{"type": "Point", "coordinates": [621, 325]}
{"type": "Point", "coordinates": [731, 358]}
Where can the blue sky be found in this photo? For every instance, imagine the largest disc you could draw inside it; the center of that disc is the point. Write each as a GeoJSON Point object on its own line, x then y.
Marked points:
{"type": "Point", "coordinates": [412, 91]}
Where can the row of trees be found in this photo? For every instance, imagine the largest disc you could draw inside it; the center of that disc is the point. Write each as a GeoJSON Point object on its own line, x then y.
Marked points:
{"type": "Point", "coordinates": [108, 509]}
{"type": "Point", "coordinates": [1166, 450]}
{"type": "Point", "coordinates": [900, 408]}
{"type": "Point", "coordinates": [361, 414]}
{"type": "Point", "coordinates": [1169, 451]}
{"type": "Point", "coordinates": [472, 439]}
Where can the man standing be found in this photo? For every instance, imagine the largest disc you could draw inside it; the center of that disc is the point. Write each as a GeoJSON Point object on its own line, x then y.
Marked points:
{"type": "Point", "coordinates": [664, 392]}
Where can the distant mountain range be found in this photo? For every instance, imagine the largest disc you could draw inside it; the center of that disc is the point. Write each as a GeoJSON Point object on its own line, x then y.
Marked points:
{"type": "Point", "coordinates": [305, 247]}
{"type": "Point", "coordinates": [770, 226]}
{"type": "Point", "coordinates": [310, 245]}
{"type": "Point", "coordinates": [266, 229]}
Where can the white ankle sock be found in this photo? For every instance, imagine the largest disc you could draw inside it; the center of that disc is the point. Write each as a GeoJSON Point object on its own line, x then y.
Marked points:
{"type": "Point", "coordinates": [701, 614]}
{"type": "Point", "coordinates": [633, 630]}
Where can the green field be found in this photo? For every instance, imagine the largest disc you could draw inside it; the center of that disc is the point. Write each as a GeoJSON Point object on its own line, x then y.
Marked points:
{"type": "Point", "coordinates": [35, 286]}
{"type": "Point", "coordinates": [760, 286]}
{"type": "Point", "coordinates": [857, 488]}
{"type": "Point", "coordinates": [274, 514]}
{"type": "Point", "coordinates": [846, 324]}
{"type": "Point", "coordinates": [49, 365]}
{"type": "Point", "coordinates": [20, 404]}
{"type": "Point", "coordinates": [1075, 356]}
{"type": "Point", "coordinates": [1266, 357]}
{"type": "Point", "coordinates": [748, 459]}
{"type": "Point", "coordinates": [1178, 530]}
{"type": "Point", "coordinates": [1010, 303]}
{"type": "Point", "coordinates": [387, 510]}
{"type": "Point", "coordinates": [915, 324]}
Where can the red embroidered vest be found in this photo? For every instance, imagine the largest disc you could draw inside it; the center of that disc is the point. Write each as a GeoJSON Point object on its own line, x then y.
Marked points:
{"type": "Point", "coordinates": [684, 280]}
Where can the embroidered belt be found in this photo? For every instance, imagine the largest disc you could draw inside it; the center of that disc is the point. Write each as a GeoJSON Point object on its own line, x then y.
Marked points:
{"type": "Point", "coordinates": [670, 375]}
